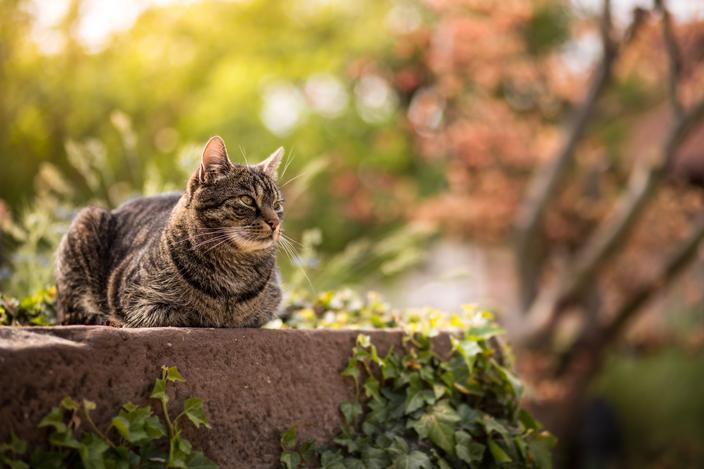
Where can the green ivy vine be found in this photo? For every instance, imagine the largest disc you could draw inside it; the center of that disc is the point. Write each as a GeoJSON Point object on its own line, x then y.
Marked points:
{"type": "Point", "coordinates": [417, 408]}
{"type": "Point", "coordinates": [135, 438]}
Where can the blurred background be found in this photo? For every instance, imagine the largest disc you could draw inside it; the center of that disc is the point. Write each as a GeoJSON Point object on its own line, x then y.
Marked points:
{"type": "Point", "coordinates": [539, 157]}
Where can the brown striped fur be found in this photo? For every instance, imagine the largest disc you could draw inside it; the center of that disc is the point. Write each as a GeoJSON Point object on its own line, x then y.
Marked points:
{"type": "Point", "coordinates": [206, 257]}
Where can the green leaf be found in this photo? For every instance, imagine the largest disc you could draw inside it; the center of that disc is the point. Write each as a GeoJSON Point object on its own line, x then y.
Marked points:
{"type": "Point", "coordinates": [69, 404]}
{"type": "Point", "coordinates": [541, 449]}
{"type": "Point", "coordinates": [88, 405]}
{"type": "Point", "coordinates": [92, 451]}
{"type": "Point", "coordinates": [468, 350]}
{"type": "Point", "coordinates": [375, 458]}
{"type": "Point", "coordinates": [172, 374]}
{"type": "Point", "coordinates": [43, 459]}
{"type": "Point", "coordinates": [498, 453]}
{"type": "Point", "coordinates": [15, 463]}
{"type": "Point", "coordinates": [414, 400]}
{"type": "Point", "coordinates": [64, 439]}
{"type": "Point", "coordinates": [371, 388]}
{"type": "Point", "coordinates": [467, 449]}
{"type": "Point", "coordinates": [290, 460]}
{"type": "Point", "coordinates": [352, 370]}
{"type": "Point", "coordinates": [413, 460]}
{"type": "Point", "coordinates": [55, 419]}
{"type": "Point", "coordinates": [515, 384]}
{"type": "Point", "coordinates": [193, 408]}
{"type": "Point", "coordinates": [159, 390]}
{"type": "Point", "coordinates": [350, 411]}
{"type": "Point", "coordinates": [288, 438]}
{"type": "Point", "coordinates": [198, 460]}
{"type": "Point", "coordinates": [16, 445]}
{"type": "Point", "coordinates": [138, 425]}
{"type": "Point", "coordinates": [528, 420]}
{"type": "Point", "coordinates": [438, 424]}
{"type": "Point", "coordinates": [484, 332]}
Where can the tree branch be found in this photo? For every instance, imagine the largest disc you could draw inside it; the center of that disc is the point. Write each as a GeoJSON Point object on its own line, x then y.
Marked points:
{"type": "Point", "coordinates": [603, 336]}
{"type": "Point", "coordinates": [611, 234]}
{"type": "Point", "coordinates": [546, 181]}
{"type": "Point", "coordinates": [674, 57]}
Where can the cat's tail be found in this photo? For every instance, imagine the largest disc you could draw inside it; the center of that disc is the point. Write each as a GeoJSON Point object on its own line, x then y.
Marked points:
{"type": "Point", "coordinates": [81, 268]}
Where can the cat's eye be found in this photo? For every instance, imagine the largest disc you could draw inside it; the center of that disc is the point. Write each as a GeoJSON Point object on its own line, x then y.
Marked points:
{"type": "Point", "coordinates": [247, 200]}
{"type": "Point", "coordinates": [278, 206]}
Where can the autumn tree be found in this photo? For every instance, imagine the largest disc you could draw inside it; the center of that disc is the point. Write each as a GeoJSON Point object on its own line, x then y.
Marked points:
{"type": "Point", "coordinates": [585, 167]}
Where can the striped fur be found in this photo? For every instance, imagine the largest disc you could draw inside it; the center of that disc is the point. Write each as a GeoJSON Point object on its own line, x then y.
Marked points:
{"type": "Point", "coordinates": [204, 258]}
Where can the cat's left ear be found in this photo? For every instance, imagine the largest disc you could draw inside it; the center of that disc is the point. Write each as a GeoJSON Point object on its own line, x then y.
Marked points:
{"type": "Point", "coordinates": [214, 160]}
{"type": "Point", "coordinates": [271, 164]}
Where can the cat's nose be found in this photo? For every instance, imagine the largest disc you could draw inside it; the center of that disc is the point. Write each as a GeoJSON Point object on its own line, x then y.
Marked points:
{"type": "Point", "coordinates": [273, 223]}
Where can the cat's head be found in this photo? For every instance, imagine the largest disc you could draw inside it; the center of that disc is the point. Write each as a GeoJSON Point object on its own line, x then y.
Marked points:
{"type": "Point", "coordinates": [243, 203]}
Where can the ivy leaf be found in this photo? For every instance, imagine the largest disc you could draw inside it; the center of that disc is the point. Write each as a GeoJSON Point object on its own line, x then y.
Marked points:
{"type": "Point", "coordinates": [159, 390]}
{"type": "Point", "coordinates": [14, 463]}
{"type": "Point", "coordinates": [16, 445]}
{"type": "Point", "coordinates": [290, 460]}
{"type": "Point", "coordinates": [375, 458]}
{"type": "Point", "coordinates": [332, 460]}
{"type": "Point", "coordinates": [352, 370]}
{"type": "Point", "coordinates": [413, 460]}
{"type": "Point", "coordinates": [92, 450]}
{"type": "Point", "coordinates": [371, 388]}
{"type": "Point", "coordinates": [138, 425]}
{"type": "Point", "coordinates": [198, 460]}
{"type": "Point", "coordinates": [69, 404]}
{"type": "Point", "coordinates": [468, 350]}
{"type": "Point", "coordinates": [515, 385]}
{"type": "Point", "coordinates": [350, 411]}
{"type": "Point", "coordinates": [193, 408]}
{"type": "Point", "coordinates": [55, 419]}
{"type": "Point", "coordinates": [498, 453]}
{"type": "Point", "coordinates": [88, 405]}
{"type": "Point", "coordinates": [414, 400]}
{"type": "Point", "coordinates": [484, 332]}
{"type": "Point", "coordinates": [172, 374]}
{"type": "Point", "coordinates": [541, 449]}
{"type": "Point", "coordinates": [44, 459]}
{"type": "Point", "coordinates": [438, 424]}
{"type": "Point", "coordinates": [288, 438]}
{"type": "Point", "coordinates": [468, 450]}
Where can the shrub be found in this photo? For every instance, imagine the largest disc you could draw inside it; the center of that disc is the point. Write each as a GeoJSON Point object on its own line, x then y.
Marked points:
{"type": "Point", "coordinates": [418, 407]}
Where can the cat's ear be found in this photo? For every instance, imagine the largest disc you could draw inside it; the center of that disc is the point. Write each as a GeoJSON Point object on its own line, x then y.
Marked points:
{"type": "Point", "coordinates": [214, 159]}
{"type": "Point", "coordinates": [271, 164]}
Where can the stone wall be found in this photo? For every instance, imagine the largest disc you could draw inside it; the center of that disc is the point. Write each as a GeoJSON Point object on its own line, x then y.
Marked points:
{"type": "Point", "coordinates": [256, 383]}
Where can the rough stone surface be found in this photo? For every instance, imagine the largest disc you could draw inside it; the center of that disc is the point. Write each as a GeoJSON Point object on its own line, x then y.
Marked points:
{"type": "Point", "coordinates": [256, 383]}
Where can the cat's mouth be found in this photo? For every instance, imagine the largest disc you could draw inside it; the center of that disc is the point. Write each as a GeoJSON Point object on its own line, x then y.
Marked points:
{"type": "Point", "coordinates": [254, 243]}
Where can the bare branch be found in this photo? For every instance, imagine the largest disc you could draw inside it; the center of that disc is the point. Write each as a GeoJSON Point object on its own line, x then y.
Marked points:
{"type": "Point", "coordinates": [673, 56]}
{"type": "Point", "coordinates": [674, 265]}
{"type": "Point", "coordinates": [603, 336]}
{"type": "Point", "coordinates": [614, 230]}
{"type": "Point", "coordinates": [547, 179]}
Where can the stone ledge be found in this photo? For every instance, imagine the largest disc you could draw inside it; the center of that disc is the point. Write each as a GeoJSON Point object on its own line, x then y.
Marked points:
{"type": "Point", "coordinates": [255, 382]}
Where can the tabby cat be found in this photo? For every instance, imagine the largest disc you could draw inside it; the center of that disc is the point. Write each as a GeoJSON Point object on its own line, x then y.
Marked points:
{"type": "Point", "coordinates": [204, 258]}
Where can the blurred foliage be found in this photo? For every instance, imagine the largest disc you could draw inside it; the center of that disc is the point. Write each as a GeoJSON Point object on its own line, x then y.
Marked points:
{"type": "Point", "coordinates": [421, 407]}
{"type": "Point", "coordinates": [38, 309]}
{"type": "Point", "coordinates": [259, 73]}
{"type": "Point", "coordinates": [135, 438]}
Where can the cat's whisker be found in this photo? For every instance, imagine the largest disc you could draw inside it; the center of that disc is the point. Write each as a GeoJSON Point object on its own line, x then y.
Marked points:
{"type": "Point", "coordinates": [295, 259]}
{"type": "Point", "coordinates": [294, 178]}
{"type": "Point", "coordinates": [290, 239]}
{"type": "Point", "coordinates": [219, 244]}
{"type": "Point", "coordinates": [290, 159]}
{"type": "Point", "coordinates": [224, 236]}
{"type": "Point", "coordinates": [244, 155]}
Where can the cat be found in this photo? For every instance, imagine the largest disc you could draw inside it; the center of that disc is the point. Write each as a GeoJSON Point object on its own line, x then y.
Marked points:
{"type": "Point", "coordinates": [204, 258]}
